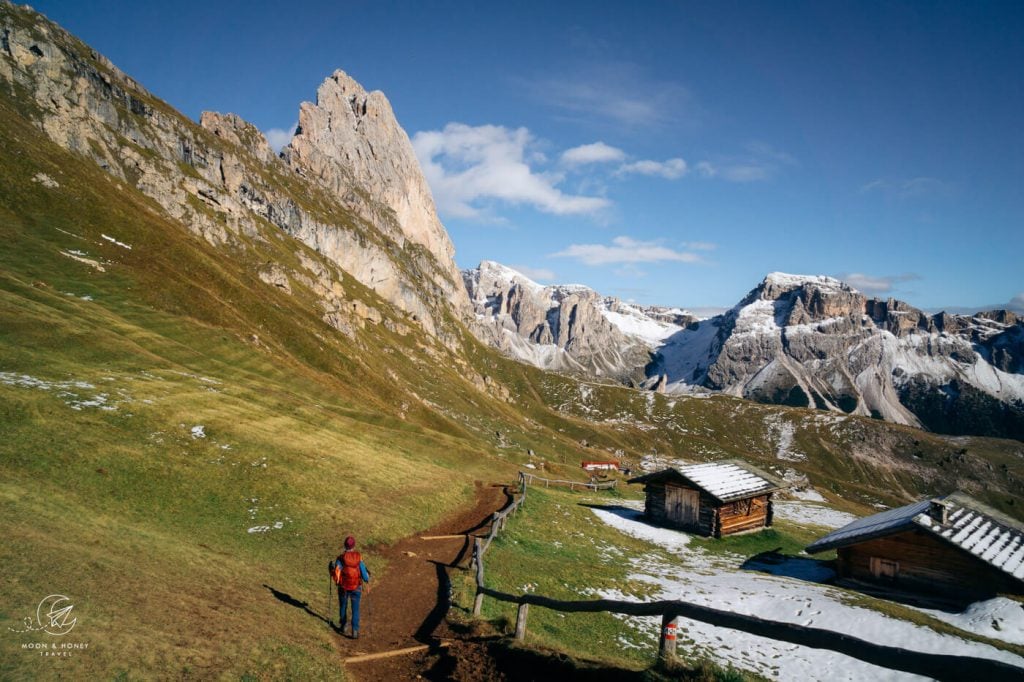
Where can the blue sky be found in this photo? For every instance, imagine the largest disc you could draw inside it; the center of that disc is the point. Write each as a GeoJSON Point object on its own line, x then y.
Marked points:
{"type": "Point", "coordinates": [664, 152]}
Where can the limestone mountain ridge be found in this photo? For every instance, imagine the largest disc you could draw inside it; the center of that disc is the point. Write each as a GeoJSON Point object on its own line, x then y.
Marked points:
{"type": "Point", "coordinates": [348, 186]}
{"type": "Point", "coordinates": [802, 340]}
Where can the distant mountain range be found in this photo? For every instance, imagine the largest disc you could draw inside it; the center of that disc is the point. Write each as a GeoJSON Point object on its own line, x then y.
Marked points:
{"type": "Point", "coordinates": [808, 341]}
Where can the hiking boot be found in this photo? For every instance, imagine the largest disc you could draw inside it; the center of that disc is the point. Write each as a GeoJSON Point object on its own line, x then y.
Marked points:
{"type": "Point", "coordinates": [355, 634]}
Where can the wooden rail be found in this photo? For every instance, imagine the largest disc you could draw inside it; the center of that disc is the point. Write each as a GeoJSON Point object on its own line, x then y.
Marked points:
{"type": "Point", "coordinates": [937, 666]}
{"type": "Point", "coordinates": [572, 485]}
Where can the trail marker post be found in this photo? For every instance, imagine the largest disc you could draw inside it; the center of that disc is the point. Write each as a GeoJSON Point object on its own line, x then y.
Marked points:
{"type": "Point", "coordinates": [667, 643]}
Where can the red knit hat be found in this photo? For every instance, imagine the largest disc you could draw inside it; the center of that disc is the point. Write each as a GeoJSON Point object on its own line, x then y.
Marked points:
{"type": "Point", "coordinates": [350, 542]}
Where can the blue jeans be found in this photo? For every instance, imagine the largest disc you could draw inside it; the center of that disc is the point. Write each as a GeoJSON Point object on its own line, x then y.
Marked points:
{"type": "Point", "coordinates": [344, 596]}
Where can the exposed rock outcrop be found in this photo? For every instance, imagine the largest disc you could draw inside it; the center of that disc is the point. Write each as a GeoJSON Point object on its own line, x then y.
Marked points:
{"type": "Point", "coordinates": [815, 341]}
{"type": "Point", "coordinates": [351, 142]}
{"type": "Point", "coordinates": [222, 181]}
{"type": "Point", "coordinates": [567, 328]}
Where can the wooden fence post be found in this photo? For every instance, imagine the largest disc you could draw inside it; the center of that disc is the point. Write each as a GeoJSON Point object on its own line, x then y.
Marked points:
{"type": "Point", "coordinates": [478, 601]}
{"type": "Point", "coordinates": [521, 621]}
{"type": "Point", "coordinates": [667, 642]}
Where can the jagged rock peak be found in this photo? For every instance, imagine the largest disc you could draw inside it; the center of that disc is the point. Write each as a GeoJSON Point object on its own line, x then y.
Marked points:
{"type": "Point", "coordinates": [351, 141]}
{"type": "Point", "coordinates": [491, 274]}
{"type": "Point", "coordinates": [238, 131]}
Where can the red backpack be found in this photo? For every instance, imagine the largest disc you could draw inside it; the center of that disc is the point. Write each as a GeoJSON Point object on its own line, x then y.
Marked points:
{"type": "Point", "coordinates": [346, 571]}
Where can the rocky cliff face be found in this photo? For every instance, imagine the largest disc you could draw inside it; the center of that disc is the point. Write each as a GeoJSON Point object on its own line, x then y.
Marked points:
{"type": "Point", "coordinates": [814, 341]}
{"type": "Point", "coordinates": [351, 142]}
{"type": "Point", "coordinates": [795, 340]}
{"type": "Point", "coordinates": [566, 327]}
{"type": "Point", "coordinates": [348, 187]}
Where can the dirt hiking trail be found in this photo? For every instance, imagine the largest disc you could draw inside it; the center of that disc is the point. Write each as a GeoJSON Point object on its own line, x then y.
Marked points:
{"type": "Point", "coordinates": [408, 604]}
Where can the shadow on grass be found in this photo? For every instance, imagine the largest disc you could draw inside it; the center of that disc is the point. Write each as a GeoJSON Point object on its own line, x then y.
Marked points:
{"type": "Point", "coordinates": [617, 509]}
{"type": "Point", "coordinates": [286, 598]}
{"type": "Point", "coordinates": [774, 562]}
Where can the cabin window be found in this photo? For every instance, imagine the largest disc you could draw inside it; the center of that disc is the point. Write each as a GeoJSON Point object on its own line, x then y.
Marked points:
{"type": "Point", "coordinates": [885, 569]}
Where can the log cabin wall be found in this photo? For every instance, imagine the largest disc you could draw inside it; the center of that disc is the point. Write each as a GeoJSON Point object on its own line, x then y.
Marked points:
{"type": "Point", "coordinates": [714, 519]}
{"type": "Point", "coordinates": [654, 503]}
{"type": "Point", "coordinates": [923, 562]}
{"type": "Point", "coordinates": [746, 514]}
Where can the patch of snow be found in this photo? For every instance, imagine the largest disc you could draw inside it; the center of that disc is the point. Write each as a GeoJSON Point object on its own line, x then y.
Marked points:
{"type": "Point", "coordinates": [687, 355]}
{"type": "Point", "coordinates": [812, 514]}
{"type": "Point", "coordinates": [635, 323]}
{"type": "Point", "coordinates": [997, 618]}
{"type": "Point", "coordinates": [114, 241]}
{"type": "Point", "coordinates": [45, 180]}
{"type": "Point", "coordinates": [807, 495]}
{"type": "Point", "coordinates": [785, 280]}
{"type": "Point", "coordinates": [714, 581]}
{"type": "Point", "coordinates": [74, 254]}
{"type": "Point", "coordinates": [783, 432]}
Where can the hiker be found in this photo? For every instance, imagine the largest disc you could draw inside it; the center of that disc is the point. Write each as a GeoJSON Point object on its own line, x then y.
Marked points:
{"type": "Point", "coordinates": [349, 573]}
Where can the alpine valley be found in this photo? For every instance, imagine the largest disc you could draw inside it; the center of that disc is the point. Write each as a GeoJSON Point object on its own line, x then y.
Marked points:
{"type": "Point", "coordinates": [217, 360]}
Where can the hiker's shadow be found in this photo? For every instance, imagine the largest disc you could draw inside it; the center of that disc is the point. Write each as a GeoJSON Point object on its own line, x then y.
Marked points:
{"type": "Point", "coordinates": [288, 599]}
{"type": "Point", "coordinates": [425, 632]}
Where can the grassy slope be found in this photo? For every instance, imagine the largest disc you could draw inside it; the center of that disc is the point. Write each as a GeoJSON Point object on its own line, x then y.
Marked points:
{"type": "Point", "coordinates": [380, 434]}
{"type": "Point", "coordinates": [124, 509]}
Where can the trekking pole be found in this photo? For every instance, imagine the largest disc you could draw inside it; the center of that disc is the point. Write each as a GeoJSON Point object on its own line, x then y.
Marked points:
{"type": "Point", "coordinates": [329, 594]}
{"type": "Point", "coordinates": [366, 609]}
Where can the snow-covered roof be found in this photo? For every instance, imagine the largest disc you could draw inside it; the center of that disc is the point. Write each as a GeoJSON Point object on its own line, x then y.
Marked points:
{"type": "Point", "coordinates": [969, 525]}
{"type": "Point", "coordinates": [725, 481]}
{"type": "Point", "coordinates": [870, 527]}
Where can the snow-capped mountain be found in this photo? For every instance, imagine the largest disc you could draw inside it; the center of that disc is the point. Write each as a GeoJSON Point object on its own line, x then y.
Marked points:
{"type": "Point", "coordinates": [794, 339]}
{"type": "Point", "coordinates": [568, 327]}
{"type": "Point", "coordinates": [815, 341]}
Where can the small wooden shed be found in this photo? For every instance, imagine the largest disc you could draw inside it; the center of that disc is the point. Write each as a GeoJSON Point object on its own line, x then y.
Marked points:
{"type": "Point", "coordinates": [952, 545]}
{"type": "Point", "coordinates": [602, 465]}
{"type": "Point", "coordinates": [713, 499]}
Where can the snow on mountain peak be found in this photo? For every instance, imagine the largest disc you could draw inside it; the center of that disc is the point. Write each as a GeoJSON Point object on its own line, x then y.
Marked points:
{"type": "Point", "coordinates": [497, 271]}
{"type": "Point", "coordinates": [788, 281]}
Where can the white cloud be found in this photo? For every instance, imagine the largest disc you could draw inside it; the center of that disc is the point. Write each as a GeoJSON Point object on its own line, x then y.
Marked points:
{"type": "Point", "coordinates": [598, 152]}
{"type": "Point", "coordinates": [625, 250]}
{"type": "Point", "coordinates": [468, 164]}
{"type": "Point", "coordinates": [699, 246]}
{"type": "Point", "coordinates": [876, 285]}
{"type": "Point", "coordinates": [1017, 303]}
{"type": "Point", "coordinates": [907, 188]}
{"type": "Point", "coordinates": [536, 274]}
{"type": "Point", "coordinates": [735, 172]}
{"type": "Point", "coordinates": [758, 162]}
{"type": "Point", "coordinates": [670, 169]}
{"type": "Point", "coordinates": [277, 138]}
{"type": "Point", "coordinates": [615, 92]}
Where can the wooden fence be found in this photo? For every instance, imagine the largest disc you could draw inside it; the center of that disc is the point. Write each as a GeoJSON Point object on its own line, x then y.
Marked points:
{"type": "Point", "coordinates": [937, 666]}
{"type": "Point", "coordinates": [525, 478]}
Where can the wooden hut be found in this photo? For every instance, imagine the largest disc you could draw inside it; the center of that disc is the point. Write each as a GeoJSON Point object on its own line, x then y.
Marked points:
{"type": "Point", "coordinates": [951, 545]}
{"type": "Point", "coordinates": [601, 465]}
{"type": "Point", "coordinates": [714, 499]}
